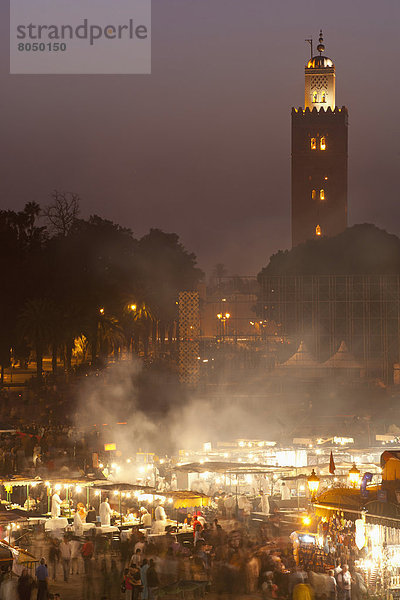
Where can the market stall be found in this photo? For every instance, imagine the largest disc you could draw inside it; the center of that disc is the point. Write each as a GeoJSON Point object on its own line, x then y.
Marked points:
{"type": "Point", "coordinates": [362, 530]}
{"type": "Point", "coordinates": [126, 496]}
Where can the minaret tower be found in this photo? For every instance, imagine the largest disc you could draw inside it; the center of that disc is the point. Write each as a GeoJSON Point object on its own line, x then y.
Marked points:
{"type": "Point", "coordinates": [319, 155]}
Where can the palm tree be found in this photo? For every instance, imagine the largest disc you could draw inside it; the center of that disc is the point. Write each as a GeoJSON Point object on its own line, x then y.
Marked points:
{"type": "Point", "coordinates": [36, 324]}
{"type": "Point", "coordinates": [104, 334]}
{"type": "Point", "coordinates": [144, 319]}
{"type": "Point", "coordinates": [137, 322]}
{"type": "Point", "coordinates": [110, 335]}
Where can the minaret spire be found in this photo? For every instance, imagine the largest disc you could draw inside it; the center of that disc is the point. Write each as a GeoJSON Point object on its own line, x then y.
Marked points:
{"type": "Point", "coordinates": [320, 80]}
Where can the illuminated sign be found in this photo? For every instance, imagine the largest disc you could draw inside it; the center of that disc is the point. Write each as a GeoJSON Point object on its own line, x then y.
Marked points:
{"type": "Point", "coordinates": [109, 447]}
{"type": "Point", "coordinates": [302, 441]}
{"type": "Point", "coordinates": [343, 441]}
{"type": "Point", "coordinates": [385, 438]}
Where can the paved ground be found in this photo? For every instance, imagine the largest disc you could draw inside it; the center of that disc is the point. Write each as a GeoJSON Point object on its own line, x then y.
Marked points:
{"type": "Point", "coordinates": [101, 583]}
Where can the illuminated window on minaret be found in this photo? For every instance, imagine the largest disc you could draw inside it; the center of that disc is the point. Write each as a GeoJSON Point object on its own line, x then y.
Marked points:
{"type": "Point", "coordinates": [313, 194]}
{"type": "Point", "coordinates": [323, 97]}
{"type": "Point", "coordinates": [322, 194]}
{"type": "Point", "coordinates": [315, 97]}
{"type": "Point", "coordinates": [318, 230]}
{"type": "Point", "coordinates": [313, 143]}
{"type": "Point", "coordinates": [322, 143]}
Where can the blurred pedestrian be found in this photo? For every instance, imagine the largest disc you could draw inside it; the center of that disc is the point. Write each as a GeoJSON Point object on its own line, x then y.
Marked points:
{"type": "Point", "coordinates": [42, 576]}
{"type": "Point", "coordinates": [152, 580]}
{"type": "Point", "coordinates": [25, 585]}
{"type": "Point", "coordinates": [54, 557]}
{"type": "Point", "coordinates": [65, 552]}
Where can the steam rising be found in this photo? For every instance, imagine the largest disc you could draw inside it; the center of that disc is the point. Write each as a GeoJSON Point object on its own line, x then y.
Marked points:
{"type": "Point", "coordinates": [111, 397]}
{"type": "Point", "coordinates": [275, 405]}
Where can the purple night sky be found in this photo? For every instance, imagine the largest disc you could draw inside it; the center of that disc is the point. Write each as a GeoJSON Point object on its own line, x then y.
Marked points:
{"type": "Point", "coordinates": [202, 146]}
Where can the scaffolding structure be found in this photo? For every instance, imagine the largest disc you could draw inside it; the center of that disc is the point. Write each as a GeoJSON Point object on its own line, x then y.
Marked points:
{"type": "Point", "coordinates": [324, 310]}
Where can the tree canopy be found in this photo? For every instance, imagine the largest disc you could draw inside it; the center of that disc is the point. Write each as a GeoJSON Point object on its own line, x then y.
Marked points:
{"type": "Point", "coordinates": [64, 277]}
{"type": "Point", "coordinates": [360, 250]}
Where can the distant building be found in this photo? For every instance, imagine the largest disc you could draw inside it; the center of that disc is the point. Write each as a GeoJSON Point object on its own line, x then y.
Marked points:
{"type": "Point", "coordinates": [326, 310]}
{"type": "Point", "coordinates": [319, 155]}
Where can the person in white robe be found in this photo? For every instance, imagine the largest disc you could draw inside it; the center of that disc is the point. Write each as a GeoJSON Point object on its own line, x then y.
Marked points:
{"type": "Point", "coordinates": [78, 525]}
{"type": "Point", "coordinates": [105, 512]}
{"type": "Point", "coordinates": [55, 506]}
{"type": "Point", "coordinates": [285, 492]}
{"type": "Point", "coordinates": [264, 504]}
{"type": "Point", "coordinates": [160, 519]}
{"type": "Point", "coordinates": [145, 517]}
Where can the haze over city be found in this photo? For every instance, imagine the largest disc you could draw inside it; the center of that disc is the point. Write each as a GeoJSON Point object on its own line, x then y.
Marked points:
{"type": "Point", "coordinates": [201, 147]}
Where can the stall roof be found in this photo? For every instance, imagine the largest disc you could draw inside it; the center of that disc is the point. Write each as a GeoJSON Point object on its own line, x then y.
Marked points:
{"type": "Point", "coordinates": [17, 481]}
{"type": "Point", "coordinates": [11, 516]}
{"type": "Point", "coordinates": [183, 494]}
{"type": "Point", "coordinates": [324, 467]}
{"type": "Point", "coordinates": [23, 556]}
{"type": "Point", "coordinates": [343, 358]}
{"type": "Point", "coordinates": [24, 480]}
{"type": "Point", "coordinates": [187, 498]}
{"type": "Point", "coordinates": [229, 467]}
{"type": "Point", "coordinates": [301, 358]}
{"type": "Point", "coordinates": [125, 487]}
{"type": "Point", "coordinates": [346, 497]}
{"type": "Point", "coordinates": [381, 513]}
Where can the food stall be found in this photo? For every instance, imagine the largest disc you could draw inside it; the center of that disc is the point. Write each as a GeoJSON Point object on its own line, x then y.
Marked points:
{"type": "Point", "coordinates": [126, 499]}
{"type": "Point", "coordinates": [22, 489]}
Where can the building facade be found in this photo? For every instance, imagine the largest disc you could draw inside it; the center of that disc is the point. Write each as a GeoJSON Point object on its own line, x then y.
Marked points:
{"type": "Point", "coordinates": [319, 155]}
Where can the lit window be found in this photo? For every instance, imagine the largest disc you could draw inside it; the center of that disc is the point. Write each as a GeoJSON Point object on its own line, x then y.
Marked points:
{"type": "Point", "coordinates": [315, 97]}
{"type": "Point", "coordinates": [318, 230]}
{"type": "Point", "coordinates": [313, 143]}
{"type": "Point", "coordinates": [323, 97]}
{"type": "Point", "coordinates": [313, 194]}
{"type": "Point", "coordinates": [322, 194]}
{"type": "Point", "coordinates": [322, 143]}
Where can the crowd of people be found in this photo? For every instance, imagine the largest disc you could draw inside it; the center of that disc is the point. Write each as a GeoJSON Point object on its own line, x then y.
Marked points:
{"type": "Point", "coordinates": [224, 553]}
{"type": "Point", "coordinates": [223, 557]}
{"type": "Point", "coordinates": [40, 447]}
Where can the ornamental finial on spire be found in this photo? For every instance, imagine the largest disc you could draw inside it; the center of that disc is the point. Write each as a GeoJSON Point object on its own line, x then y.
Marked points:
{"type": "Point", "coordinates": [321, 46]}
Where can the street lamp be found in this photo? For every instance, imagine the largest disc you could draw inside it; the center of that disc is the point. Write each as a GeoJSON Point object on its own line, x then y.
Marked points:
{"type": "Point", "coordinates": [223, 317]}
{"type": "Point", "coordinates": [313, 484]}
{"type": "Point", "coordinates": [354, 476]}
